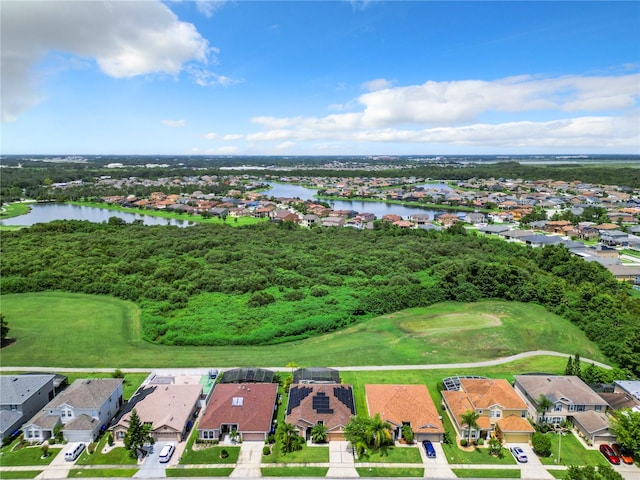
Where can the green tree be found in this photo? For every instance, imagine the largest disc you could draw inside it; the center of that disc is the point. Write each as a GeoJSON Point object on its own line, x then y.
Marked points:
{"type": "Point", "coordinates": [568, 370]}
{"type": "Point", "coordinates": [470, 419]}
{"type": "Point", "coordinates": [495, 446]}
{"type": "Point", "coordinates": [407, 433]}
{"type": "Point", "coordinates": [4, 328]}
{"type": "Point", "coordinates": [355, 433]}
{"type": "Point", "coordinates": [319, 433]}
{"type": "Point", "coordinates": [544, 404]}
{"type": "Point", "coordinates": [287, 435]}
{"type": "Point", "coordinates": [577, 369]}
{"type": "Point", "coordinates": [541, 444]}
{"type": "Point", "coordinates": [377, 433]}
{"type": "Point", "coordinates": [626, 426]}
{"type": "Point", "coordinates": [137, 435]}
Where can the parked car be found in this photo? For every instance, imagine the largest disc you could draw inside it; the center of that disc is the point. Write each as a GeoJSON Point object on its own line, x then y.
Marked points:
{"type": "Point", "coordinates": [428, 447]}
{"type": "Point", "coordinates": [623, 453]}
{"type": "Point", "coordinates": [166, 452]}
{"type": "Point", "coordinates": [519, 454]}
{"type": "Point", "coordinates": [609, 454]}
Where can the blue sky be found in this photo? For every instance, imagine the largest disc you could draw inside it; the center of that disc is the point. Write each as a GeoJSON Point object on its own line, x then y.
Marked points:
{"type": "Point", "coordinates": [322, 78]}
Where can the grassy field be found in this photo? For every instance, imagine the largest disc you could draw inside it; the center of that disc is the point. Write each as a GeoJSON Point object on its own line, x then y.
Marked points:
{"type": "Point", "coordinates": [572, 452]}
{"type": "Point", "coordinates": [13, 210]}
{"type": "Point", "coordinates": [26, 456]}
{"type": "Point", "coordinates": [20, 474]}
{"type": "Point", "coordinates": [102, 472]}
{"type": "Point", "coordinates": [198, 472]}
{"type": "Point", "coordinates": [46, 326]}
{"type": "Point", "coordinates": [485, 473]}
{"type": "Point", "coordinates": [295, 472]}
{"type": "Point", "coordinates": [393, 455]}
{"type": "Point", "coordinates": [389, 472]}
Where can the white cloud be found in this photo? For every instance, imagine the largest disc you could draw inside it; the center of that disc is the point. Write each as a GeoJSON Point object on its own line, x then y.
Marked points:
{"type": "Point", "coordinates": [377, 84]}
{"type": "Point", "coordinates": [124, 38]}
{"type": "Point", "coordinates": [211, 136]}
{"type": "Point", "coordinates": [232, 136]}
{"type": "Point", "coordinates": [605, 108]}
{"type": "Point", "coordinates": [285, 146]}
{"type": "Point", "coordinates": [207, 78]}
{"type": "Point", "coordinates": [174, 123]}
{"type": "Point", "coordinates": [209, 7]}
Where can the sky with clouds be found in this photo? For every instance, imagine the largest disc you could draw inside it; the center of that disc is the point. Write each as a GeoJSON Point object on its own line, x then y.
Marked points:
{"type": "Point", "coordinates": [336, 77]}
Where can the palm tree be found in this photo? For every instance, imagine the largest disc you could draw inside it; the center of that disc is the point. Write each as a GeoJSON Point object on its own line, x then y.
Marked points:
{"type": "Point", "coordinates": [287, 435]}
{"type": "Point", "coordinates": [319, 433]}
{"type": "Point", "coordinates": [377, 432]}
{"type": "Point", "coordinates": [470, 419]}
{"type": "Point", "coordinates": [544, 404]}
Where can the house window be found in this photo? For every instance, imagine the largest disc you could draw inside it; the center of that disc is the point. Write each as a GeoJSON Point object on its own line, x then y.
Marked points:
{"type": "Point", "coordinates": [557, 407]}
{"type": "Point", "coordinates": [14, 408]}
{"type": "Point", "coordinates": [320, 422]}
{"type": "Point", "coordinates": [523, 414]}
{"type": "Point", "coordinates": [598, 408]}
{"type": "Point", "coordinates": [119, 435]}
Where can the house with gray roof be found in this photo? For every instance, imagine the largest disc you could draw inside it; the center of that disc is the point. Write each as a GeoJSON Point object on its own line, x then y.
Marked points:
{"type": "Point", "coordinates": [21, 396]}
{"type": "Point", "coordinates": [82, 410]}
{"type": "Point", "coordinates": [569, 395]}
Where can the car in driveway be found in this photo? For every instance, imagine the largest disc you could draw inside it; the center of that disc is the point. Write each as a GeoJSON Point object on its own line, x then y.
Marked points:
{"type": "Point", "coordinates": [519, 454]}
{"type": "Point", "coordinates": [623, 453]}
{"type": "Point", "coordinates": [609, 454]}
{"type": "Point", "coordinates": [428, 447]}
{"type": "Point", "coordinates": [166, 452]}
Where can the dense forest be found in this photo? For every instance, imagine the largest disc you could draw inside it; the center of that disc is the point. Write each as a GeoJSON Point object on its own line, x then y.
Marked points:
{"type": "Point", "coordinates": [218, 285]}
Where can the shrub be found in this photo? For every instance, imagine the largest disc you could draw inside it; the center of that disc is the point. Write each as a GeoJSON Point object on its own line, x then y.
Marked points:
{"type": "Point", "coordinates": [110, 440]}
{"type": "Point", "coordinates": [463, 442]}
{"type": "Point", "coordinates": [92, 447]}
{"type": "Point", "coordinates": [271, 439]}
{"type": "Point", "coordinates": [480, 441]}
{"type": "Point", "coordinates": [318, 291]}
{"type": "Point", "coordinates": [541, 444]}
{"type": "Point", "coordinates": [446, 438]}
{"type": "Point", "coordinates": [266, 450]}
{"type": "Point", "coordinates": [259, 299]}
{"type": "Point", "coordinates": [224, 453]}
{"type": "Point", "coordinates": [293, 296]}
{"type": "Point", "coordinates": [407, 433]}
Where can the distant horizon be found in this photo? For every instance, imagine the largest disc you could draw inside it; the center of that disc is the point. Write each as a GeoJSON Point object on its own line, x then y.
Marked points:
{"type": "Point", "coordinates": [300, 78]}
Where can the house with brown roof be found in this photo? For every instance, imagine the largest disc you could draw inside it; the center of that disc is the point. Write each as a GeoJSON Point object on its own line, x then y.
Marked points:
{"type": "Point", "coordinates": [246, 408]}
{"type": "Point", "coordinates": [406, 405]}
{"type": "Point", "coordinates": [503, 413]}
{"type": "Point", "coordinates": [170, 409]}
{"type": "Point", "coordinates": [331, 405]}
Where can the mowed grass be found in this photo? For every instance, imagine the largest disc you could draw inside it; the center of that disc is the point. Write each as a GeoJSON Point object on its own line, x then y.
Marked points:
{"type": "Point", "coordinates": [76, 330]}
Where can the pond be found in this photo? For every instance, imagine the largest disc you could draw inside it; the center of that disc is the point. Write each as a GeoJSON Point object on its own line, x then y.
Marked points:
{"type": "Point", "coordinates": [47, 212]}
{"type": "Point", "coordinates": [379, 209]}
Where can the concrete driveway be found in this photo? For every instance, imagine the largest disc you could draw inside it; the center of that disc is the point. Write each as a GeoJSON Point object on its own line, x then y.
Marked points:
{"type": "Point", "coordinates": [533, 468]}
{"type": "Point", "coordinates": [151, 466]}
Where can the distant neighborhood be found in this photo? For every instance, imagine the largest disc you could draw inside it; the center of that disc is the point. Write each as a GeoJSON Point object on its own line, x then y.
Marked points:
{"type": "Point", "coordinates": [535, 213]}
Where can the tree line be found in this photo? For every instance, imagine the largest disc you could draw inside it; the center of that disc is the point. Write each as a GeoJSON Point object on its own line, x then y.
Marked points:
{"type": "Point", "coordinates": [261, 284]}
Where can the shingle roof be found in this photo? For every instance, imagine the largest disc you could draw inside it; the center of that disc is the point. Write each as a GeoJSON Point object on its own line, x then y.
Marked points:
{"type": "Point", "coordinates": [253, 413]}
{"type": "Point", "coordinates": [568, 389]}
{"type": "Point", "coordinates": [163, 405]}
{"type": "Point", "coordinates": [513, 423]}
{"type": "Point", "coordinates": [592, 421]}
{"type": "Point", "coordinates": [15, 389]}
{"type": "Point", "coordinates": [404, 403]}
{"type": "Point", "coordinates": [87, 393]}
{"type": "Point", "coordinates": [484, 393]}
{"type": "Point", "coordinates": [339, 411]}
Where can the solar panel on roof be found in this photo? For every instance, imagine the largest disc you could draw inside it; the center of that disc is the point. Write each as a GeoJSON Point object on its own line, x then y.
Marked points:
{"type": "Point", "coordinates": [345, 395]}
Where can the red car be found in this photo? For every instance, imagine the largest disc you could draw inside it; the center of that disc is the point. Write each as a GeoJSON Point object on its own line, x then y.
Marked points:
{"type": "Point", "coordinates": [623, 453]}
{"type": "Point", "coordinates": [609, 454]}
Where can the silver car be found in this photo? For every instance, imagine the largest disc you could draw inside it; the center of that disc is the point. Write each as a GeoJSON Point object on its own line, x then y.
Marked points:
{"type": "Point", "coordinates": [519, 454]}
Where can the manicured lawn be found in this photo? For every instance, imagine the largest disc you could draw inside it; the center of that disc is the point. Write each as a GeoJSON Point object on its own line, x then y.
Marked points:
{"type": "Point", "coordinates": [394, 455]}
{"type": "Point", "coordinates": [389, 472]}
{"type": "Point", "coordinates": [26, 456]}
{"type": "Point", "coordinates": [14, 210]}
{"type": "Point", "coordinates": [560, 474]}
{"type": "Point", "coordinates": [210, 455]}
{"type": "Point", "coordinates": [102, 472]}
{"type": "Point", "coordinates": [485, 473]}
{"type": "Point", "coordinates": [20, 474]}
{"type": "Point", "coordinates": [306, 455]}
{"type": "Point", "coordinates": [115, 456]}
{"type": "Point", "coordinates": [112, 336]}
{"type": "Point", "coordinates": [572, 452]}
{"type": "Point", "coordinates": [177, 216]}
{"type": "Point", "coordinates": [198, 472]}
{"type": "Point", "coordinates": [476, 456]}
{"type": "Point", "coordinates": [295, 472]}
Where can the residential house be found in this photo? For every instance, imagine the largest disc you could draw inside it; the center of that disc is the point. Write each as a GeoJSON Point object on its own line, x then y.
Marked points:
{"type": "Point", "coordinates": [326, 404]}
{"type": "Point", "coordinates": [248, 409]}
{"type": "Point", "coordinates": [21, 397]}
{"type": "Point", "coordinates": [419, 218]}
{"type": "Point", "coordinates": [570, 398]}
{"type": "Point", "coordinates": [632, 387]}
{"type": "Point", "coordinates": [82, 410]}
{"type": "Point", "coordinates": [402, 405]}
{"type": "Point", "coordinates": [475, 218]}
{"type": "Point", "coordinates": [170, 409]}
{"type": "Point", "coordinates": [502, 413]}
{"type": "Point", "coordinates": [625, 272]}
{"type": "Point", "coordinates": [309, 219]}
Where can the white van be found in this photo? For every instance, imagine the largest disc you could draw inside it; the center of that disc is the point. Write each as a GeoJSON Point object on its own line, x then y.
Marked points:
{"type": "Point", "coordinates": [74, 451]}
{"type": "Point", "coordinates": [166, 452]}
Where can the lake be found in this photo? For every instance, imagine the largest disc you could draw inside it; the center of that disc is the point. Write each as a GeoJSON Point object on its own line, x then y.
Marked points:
{"type": "Point", "coordinates": [47, 212]}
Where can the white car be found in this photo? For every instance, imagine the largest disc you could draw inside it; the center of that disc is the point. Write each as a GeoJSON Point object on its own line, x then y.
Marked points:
{"type": "Point", "coordinates": [166, 452]}
{"type": "Point", "coordinates": [519, 454]}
